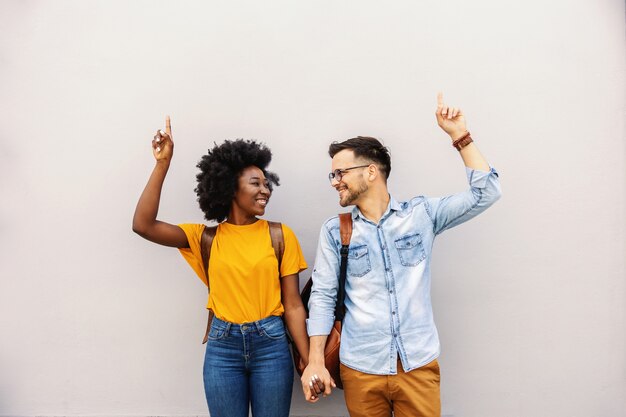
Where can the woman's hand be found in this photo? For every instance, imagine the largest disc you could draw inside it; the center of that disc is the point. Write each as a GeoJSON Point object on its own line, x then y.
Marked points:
{"type": "Point", "coordinates": [162, 144]}
{"type": "Point", "coordinates": [450, 119]}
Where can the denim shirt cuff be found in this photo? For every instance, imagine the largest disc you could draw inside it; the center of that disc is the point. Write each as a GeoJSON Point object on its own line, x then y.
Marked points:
{"type": "Point", "coordinates": [319, 326]}
{"type": "Point", "coordinates": [478, 179]}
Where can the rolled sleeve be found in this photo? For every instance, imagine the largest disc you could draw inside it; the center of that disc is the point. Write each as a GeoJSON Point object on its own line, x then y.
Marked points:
{"type": "Point", "coordinates": [320, 326]}
{"type": "Point", "coordinates": [488, 182]}
{"type": "Point", "coordinates": [479, 179]}
{"type": "Point", "coordinates": [325, 282]}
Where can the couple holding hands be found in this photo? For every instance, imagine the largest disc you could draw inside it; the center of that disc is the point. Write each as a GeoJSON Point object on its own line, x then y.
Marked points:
{"type": "Point", "coordinates": [389, 342]}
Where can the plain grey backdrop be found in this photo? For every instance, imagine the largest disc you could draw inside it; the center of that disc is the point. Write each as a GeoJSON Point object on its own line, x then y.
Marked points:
{"type": "Point", "coordinates": [529, 297]}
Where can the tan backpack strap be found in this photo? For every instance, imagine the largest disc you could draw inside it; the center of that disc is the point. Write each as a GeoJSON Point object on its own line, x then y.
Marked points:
{"type": "Point", "coordinates": [206, 241]}
{"type": "Point", "coordinates": [345, 228]}
{"type": "Point", "coordinates": [278, 241]}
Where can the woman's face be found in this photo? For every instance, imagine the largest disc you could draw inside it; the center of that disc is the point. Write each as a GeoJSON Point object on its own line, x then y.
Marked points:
{"type": "Point", "coordinates": [252, 193]}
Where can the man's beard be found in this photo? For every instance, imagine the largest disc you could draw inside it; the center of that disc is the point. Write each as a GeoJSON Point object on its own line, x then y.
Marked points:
{"type": "Point", "coordinates": [352, 196]}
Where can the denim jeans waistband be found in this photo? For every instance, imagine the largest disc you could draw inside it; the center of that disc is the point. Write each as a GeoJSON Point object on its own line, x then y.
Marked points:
{"type": "Point", "coordinates": [245, 327]}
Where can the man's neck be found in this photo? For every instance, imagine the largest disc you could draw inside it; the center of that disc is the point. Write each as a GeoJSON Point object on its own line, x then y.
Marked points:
{"type": "Point", "coordinates": [374, 206]}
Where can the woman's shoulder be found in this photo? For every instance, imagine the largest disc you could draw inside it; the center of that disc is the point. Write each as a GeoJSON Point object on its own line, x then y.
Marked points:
{"type": "Point", "coordinates": [288, 233]}
{"type": "Point", "coordinates": [193, 231]}
{"type": "Point", "coordinates": [286, 229]}
{"type": "Point", "coordinates": [192, 227]}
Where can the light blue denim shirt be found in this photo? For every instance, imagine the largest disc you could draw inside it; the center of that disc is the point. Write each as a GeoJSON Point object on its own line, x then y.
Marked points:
{"type": "Point", "coordinates": [388, 305]}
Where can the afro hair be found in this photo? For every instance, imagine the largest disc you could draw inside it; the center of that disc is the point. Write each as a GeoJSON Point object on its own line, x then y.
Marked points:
{"type": "Point", "coordinates": [220, 170]}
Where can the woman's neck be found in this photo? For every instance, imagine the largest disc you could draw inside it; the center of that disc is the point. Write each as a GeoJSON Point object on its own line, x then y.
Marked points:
{"type": "Point", "coordinates": [239, 219]}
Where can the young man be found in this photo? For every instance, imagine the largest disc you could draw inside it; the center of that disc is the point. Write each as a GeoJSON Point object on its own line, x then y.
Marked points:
{"type": "Point", "coordinates": [389, 342]}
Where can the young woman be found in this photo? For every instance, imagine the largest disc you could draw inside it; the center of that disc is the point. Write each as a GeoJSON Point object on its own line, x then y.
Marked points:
{"type": "Point", "coordinates": [247, 362]}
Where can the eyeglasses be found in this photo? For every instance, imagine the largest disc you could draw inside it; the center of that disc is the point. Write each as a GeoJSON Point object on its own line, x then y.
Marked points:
{"type": "Point", "coordinates": [339, 173]}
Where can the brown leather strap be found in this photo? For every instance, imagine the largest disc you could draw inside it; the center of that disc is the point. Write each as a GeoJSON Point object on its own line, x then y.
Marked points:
{"type": "Point", "coordinates": [206, 241]}
{"type": "Point", "coordinates": [463, 141]}
{"type": "Point", "coordinates": [278, 241]}
{"type": "Point", "coordinates": [345, 228]}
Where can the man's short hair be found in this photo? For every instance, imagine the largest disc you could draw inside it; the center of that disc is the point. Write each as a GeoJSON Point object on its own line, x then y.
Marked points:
{"type": "Point", "coordinates": [365, 147]}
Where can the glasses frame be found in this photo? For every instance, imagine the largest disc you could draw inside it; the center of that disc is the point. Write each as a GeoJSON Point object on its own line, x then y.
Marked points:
{"type": "Point", "coordinates": [339, 173]}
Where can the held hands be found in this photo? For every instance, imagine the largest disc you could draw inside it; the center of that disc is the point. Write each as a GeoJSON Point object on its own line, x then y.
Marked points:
{"type": "Point", "coordinates": [315, 381]}
{"type": "Point", "coordinates": [162, 144]}
{"type": "Point", "coordinates": [450, 119]}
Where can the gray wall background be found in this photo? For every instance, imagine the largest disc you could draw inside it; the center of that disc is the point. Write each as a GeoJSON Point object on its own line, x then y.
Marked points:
{"type": "Point", "coordinates": [529, 297]}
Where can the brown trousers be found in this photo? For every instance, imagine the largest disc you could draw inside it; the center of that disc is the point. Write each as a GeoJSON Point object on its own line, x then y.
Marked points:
{"type": "Point", "coordinates": [412, 394]}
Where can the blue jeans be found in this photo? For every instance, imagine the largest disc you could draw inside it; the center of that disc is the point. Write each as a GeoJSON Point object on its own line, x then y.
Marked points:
{"type": "Point", "coordinates": [248, 365]}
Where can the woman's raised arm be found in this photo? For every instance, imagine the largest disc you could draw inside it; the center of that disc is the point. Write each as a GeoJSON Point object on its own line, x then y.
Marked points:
{"type": "Point", "coordinates": [145, 221]}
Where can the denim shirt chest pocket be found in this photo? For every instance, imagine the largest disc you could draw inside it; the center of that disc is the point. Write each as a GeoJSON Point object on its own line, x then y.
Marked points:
{"type": "Point", "coordinates": [410, 249]}
{"type": "Point", "coordinates": [358, 261]}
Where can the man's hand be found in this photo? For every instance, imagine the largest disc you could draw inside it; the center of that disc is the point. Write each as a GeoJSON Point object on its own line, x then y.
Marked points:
{"type": "Point", "coordinates": [315, 381]}
{"type": "Point", "coordinates": [450, 119]}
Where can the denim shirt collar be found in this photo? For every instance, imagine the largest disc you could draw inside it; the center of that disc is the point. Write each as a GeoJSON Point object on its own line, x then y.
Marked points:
{"type": "Point", "coordinates": [392, 206]}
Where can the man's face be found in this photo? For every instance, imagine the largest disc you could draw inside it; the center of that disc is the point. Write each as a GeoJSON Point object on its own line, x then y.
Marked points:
{"type": "Point", "coordinates": [352, 185]}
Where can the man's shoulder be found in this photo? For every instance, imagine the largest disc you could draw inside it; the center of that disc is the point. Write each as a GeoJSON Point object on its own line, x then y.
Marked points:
{"type": "Point", "coordinates": [404, 208]}
{"type": "Point", "coordinates": [333, 221]}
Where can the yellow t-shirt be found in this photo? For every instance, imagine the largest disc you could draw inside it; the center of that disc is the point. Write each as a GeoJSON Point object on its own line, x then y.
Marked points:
{"type": "Point", "coordinates": [243, 269]}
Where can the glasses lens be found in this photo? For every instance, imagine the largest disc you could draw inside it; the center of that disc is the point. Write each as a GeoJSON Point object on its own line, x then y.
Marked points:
{"type": "Point", "coordinates": [336, 174]}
